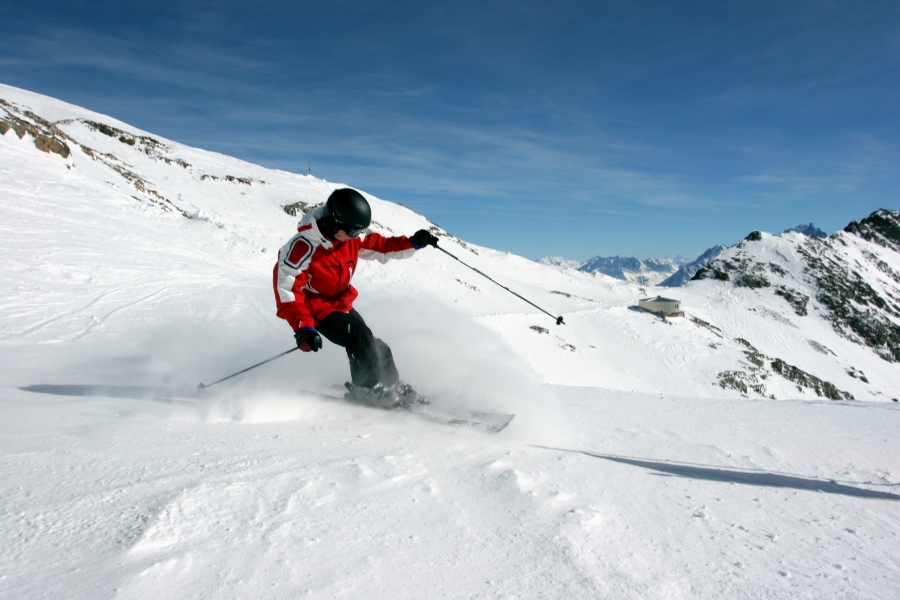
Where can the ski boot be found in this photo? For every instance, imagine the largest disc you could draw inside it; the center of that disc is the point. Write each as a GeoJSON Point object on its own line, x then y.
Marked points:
{"type": "Point", "coordinates": [399, 395]}
{"type": "Point", "coordinates": [378, 396]}
{"type": "Point", "coordinates": [408, 396]}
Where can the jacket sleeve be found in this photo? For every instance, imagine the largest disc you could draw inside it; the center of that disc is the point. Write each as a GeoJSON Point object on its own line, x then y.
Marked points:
{"type": "Point", "coordinates": [377, 247]}
{"type": "Point", "coordinates": [289, 278]}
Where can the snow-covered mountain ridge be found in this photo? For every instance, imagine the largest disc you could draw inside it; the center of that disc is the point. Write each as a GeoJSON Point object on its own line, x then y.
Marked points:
{"type": "Point", "coordinates": [667, 272]}
{"type": "Point", "coordinates": [850, 279]}
{"type": "Point", "coordinates": [644, 272]}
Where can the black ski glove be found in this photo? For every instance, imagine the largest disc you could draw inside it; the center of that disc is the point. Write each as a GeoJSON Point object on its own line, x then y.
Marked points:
{"type": "Point", "coordinates": [308, 339]}
{"type": "Point", "coordinates": [423, 238]}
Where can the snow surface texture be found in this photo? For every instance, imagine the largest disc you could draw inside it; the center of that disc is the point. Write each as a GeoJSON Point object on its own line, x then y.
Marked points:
{"type": "Point", "coordinates": [634, 468]}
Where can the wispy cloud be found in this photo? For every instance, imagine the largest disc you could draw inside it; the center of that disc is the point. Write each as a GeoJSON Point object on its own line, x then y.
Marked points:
{"type": "Point", "coordinates": [862, 161]}
{"type": "Point", "coordinates": [580, 116]}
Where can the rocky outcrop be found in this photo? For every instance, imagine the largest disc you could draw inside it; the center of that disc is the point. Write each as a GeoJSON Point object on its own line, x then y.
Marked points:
{"type": "Point", "coordinates": [146, 144]}
{"type": "Point", "coordinates": [47, 137]}
{"type": "Point", "coordinates": [882, 227]}
{"type": "Point", "coordinates": [231, 179]}
{"type": "Point", "coordinates": [299, 208]}
{"type": "Point", "coordinates": [855, 308]}
{"type": "Point", "coordinates": [761, 368]}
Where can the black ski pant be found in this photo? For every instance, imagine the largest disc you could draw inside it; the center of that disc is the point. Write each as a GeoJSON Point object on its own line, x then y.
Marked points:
{"type": "Point", "coordinates": [371, 360]}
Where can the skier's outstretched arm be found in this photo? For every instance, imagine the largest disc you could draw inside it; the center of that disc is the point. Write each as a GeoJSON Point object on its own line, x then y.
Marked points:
{"type": "Point", "coordinates": [377, 247]}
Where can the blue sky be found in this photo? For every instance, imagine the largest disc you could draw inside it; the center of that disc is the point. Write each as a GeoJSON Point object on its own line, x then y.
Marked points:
{"type": "Point", "coordinates": [628, 128]}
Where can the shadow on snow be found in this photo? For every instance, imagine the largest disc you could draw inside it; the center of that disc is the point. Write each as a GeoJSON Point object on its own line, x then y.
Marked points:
{"type": "Point", "coordinates": [138, 392]}
{"type": "Point", "coordinates": [758, 478]}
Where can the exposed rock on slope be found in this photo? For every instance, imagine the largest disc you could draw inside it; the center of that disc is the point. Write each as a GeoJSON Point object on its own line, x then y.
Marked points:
{"type": "Point", "coordinates": [881, 227]}
{"type": "Point", "coordinates": [47, 137]}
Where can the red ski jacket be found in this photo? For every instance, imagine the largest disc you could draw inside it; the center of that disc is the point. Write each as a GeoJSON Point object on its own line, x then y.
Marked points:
{"type": "Point", "coordinates": [312, 276]}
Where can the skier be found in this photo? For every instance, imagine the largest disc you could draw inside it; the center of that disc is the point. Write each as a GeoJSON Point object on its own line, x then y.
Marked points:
{"type": "Point", "coordinates": [313, 292]}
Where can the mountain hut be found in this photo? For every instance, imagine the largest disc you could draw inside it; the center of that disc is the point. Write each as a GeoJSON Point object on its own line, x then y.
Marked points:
{"type": "Point", "coordinates": [666, 307]}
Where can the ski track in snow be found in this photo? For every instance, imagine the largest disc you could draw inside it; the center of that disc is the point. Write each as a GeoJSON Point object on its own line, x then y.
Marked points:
{"type": "Point", "coordinates": [627, 472]}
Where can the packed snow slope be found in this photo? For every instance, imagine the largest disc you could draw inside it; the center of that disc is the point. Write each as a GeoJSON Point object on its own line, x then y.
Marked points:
{"type": "Point", "coordinates": [694, 457]}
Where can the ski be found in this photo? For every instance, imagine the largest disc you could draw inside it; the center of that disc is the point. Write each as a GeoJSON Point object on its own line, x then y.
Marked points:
{"type": "Point", "coordinates": [488, 422]}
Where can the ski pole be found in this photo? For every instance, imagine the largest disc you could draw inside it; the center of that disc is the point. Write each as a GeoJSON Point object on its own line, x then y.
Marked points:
{"type": "Point", "coordinates": [559, 320]}
{"type": "Point", "coordinates": [204, 386]}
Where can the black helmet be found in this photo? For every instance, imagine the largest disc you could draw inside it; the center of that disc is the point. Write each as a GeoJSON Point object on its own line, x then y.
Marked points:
{"type": "Point", "coordinates": [346, 210]}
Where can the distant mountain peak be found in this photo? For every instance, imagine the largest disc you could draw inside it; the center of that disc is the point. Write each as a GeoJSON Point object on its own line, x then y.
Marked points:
{"type": "Point", "coordinates": [629, 268]}
{"type": "Point", "coordinates": [560, 261]}
{"type": "Point", "coordinates": [810, 230]}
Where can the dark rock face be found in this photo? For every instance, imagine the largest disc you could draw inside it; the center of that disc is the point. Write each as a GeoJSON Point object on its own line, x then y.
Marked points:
{"type": "Point", "coordinates": [854, 307]}
{"type": "Point", "coordinates": [803, 379]}
{"type": "Point", "coordinates": [762, 367]}
{"type": "Point", "coordinates": [795, 298]}
{"type": "Point", "coordinates": [882, 227]}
